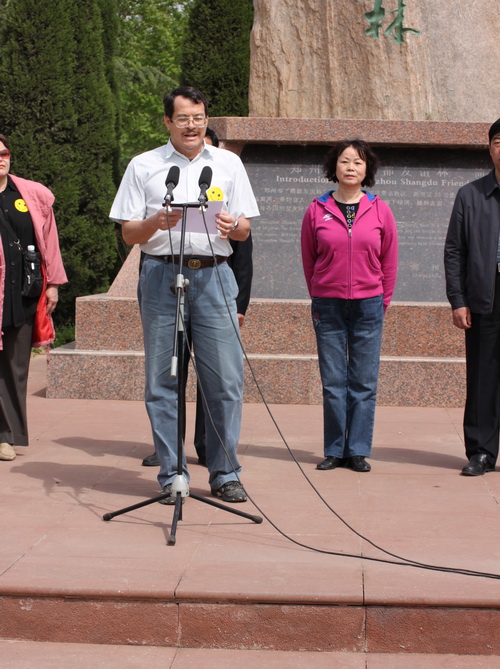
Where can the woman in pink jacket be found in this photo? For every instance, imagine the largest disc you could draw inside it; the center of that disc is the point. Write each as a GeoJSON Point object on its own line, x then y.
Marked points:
{"type": "Point", "coordinates": [349, 254]}
{"type": "Point", "coordinates": [25, 213]}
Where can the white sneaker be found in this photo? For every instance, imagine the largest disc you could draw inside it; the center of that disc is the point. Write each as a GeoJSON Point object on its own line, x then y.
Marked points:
{"type": "Point", "coordinates": [6, 451]}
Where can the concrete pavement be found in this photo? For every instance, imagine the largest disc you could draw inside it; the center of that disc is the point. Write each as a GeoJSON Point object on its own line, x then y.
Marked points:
{"type": "Point", "coordinates": [302, 586]}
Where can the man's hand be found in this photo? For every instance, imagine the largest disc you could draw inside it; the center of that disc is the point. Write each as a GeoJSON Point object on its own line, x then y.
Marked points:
{"type": "Point", "coordinates": [167, 219]}
{"type": "Point", "coordinates": [139, 232]}
{"type": "Point", "coordinates": [225, 225]}
{"type": "Point", "coordinates": [462, 318]}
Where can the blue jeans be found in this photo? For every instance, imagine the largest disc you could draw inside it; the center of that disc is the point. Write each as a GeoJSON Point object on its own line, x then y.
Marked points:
{"type": "Point", "coordinates": [219, 363]}
{"type": "Point", "coordinates": [349, 337]}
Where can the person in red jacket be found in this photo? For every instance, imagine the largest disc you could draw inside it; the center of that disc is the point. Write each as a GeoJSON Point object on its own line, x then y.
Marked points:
{"type": "Point", "coordinates": [26, 214]}
{"type": "Point", "coordinates": [350, 255]}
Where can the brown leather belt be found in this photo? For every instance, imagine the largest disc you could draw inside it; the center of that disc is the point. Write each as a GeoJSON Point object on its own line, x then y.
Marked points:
{"type": "Point", "coordinates": [197, 263]}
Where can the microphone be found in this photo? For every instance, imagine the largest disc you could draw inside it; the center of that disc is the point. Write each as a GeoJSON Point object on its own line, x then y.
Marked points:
{"type": "Point", "coordinates": [171, 182]}
{"type": "Point", "coordinates": [204, 184]}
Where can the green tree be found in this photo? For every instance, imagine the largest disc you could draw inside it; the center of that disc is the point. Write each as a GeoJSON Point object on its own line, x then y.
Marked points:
{"type": "Point", "coordinates": [148, 63]}
{"type": "Point", "coordinates": [216, 53]}
{"type": "Point", "coordinates": [90, 239]}
{"type": "Point", "coordinates": [58, 109]}
{"type": "Point", "coordinates": [111, 27]}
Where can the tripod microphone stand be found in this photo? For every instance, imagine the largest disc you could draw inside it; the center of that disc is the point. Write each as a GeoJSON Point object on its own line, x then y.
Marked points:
{"type": "Point", "coordinates": [180, 486]}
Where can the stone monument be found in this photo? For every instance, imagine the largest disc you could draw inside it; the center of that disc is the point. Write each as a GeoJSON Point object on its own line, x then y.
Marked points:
{"type": "Point", "coordinates": [314, 59]}
{"type": "Point", "coordinates": [317, 77]}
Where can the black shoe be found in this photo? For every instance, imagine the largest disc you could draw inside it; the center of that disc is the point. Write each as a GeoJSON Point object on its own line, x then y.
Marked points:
{"type": "Point", "coordinates": [202, 461]}
{"type": "Point", "coordinates": [232, 491]}
{"type": "Point", "coordinates": [331, 462]}
{"type": "Point", "coordinates": [170, 500]}
{"type": "Point", "coordinates": [358, 463]}
{"type": "Point", "coordinates": [151, 461]}
{"type": "Point", "coordinates": [478, 465]}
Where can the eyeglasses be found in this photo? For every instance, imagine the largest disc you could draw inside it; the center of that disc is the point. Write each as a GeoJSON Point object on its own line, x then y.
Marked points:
{"type": "Point", "coordinates": [5, 154]}
{"type": "Point", "coordinates": [183, 121]}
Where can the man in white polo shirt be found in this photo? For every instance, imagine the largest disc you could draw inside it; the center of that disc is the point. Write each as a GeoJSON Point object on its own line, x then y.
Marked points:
{"type": "Point", "coordinates": [210, 307]}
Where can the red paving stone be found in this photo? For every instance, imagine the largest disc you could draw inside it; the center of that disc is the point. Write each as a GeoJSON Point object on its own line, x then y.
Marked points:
{"type": "Point", "coordinates": [26, 654]}
{"type": "Point", "coordinates": [228, 585]}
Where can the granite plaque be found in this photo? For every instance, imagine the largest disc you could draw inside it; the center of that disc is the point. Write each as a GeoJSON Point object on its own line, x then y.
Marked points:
{"type": "Point", "coordinates": [419, 185]}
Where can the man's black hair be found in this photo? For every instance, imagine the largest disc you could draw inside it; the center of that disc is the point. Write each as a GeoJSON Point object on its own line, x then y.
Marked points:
{"type": "Point", "coordinates": [186, 92]}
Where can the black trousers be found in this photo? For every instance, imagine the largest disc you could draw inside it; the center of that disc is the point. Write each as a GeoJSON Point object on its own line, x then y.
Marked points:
{"type": "Point", "coordinates": [14, 366]}
{"type": "Point", "coordinates": [482, 406]}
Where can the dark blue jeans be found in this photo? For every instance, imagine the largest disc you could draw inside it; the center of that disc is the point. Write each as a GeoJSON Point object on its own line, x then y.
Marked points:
{"type": "Point", "coordinates": [349, 337]}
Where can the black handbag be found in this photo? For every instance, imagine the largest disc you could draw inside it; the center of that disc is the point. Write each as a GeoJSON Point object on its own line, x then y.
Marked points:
{"type": "Point", "coordinates": [32, 275]}
{"type": "Point", "coordinates": [32, 270]}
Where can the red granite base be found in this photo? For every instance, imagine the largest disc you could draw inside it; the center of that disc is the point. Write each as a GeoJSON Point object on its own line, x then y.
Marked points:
{"type": "Point", "coordinates": [286, 626]}
{"type": "Point", "coordinates": [422, 363]}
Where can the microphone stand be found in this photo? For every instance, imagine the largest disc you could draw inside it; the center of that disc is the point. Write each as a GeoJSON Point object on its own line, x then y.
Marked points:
{"type": "Point", "coordinates": [180, 485]}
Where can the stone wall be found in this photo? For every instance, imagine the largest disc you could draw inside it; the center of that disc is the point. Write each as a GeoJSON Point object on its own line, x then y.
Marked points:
{"type": "Point", "coordinates": [422, 354]}
{"type": "Point", "coordinates": [312, 59]}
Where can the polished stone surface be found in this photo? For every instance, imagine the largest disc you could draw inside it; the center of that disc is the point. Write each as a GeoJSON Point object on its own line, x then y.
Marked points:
{"type": "Point", "coordinates": [419, 184]}
{"type": "Point", "coordinates": [422, 354]}
{"type": "Point", "coordinates": [237, 131]}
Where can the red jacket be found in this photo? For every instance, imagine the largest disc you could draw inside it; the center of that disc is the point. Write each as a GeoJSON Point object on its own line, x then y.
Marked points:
{"type": "Point", "coordinates": [350, 264]}
{"type": "Point", "coordinates": [39, 200]}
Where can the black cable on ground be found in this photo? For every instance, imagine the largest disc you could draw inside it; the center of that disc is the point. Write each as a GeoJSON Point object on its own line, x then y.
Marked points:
{"type": "Point", "coordinates": [398, 560]}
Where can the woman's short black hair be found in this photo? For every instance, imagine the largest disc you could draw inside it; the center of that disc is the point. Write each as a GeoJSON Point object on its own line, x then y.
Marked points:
{"type": "Point", "coordinates": [5, 141]}
{"type": "Point", "coordinates": [212, 135]}
{"type": "Point", "coordinates": [365, 152]}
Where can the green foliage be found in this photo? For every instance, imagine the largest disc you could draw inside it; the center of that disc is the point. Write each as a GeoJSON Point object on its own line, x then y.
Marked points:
{"type": "Point", "coordinates": [111, 25]}
{"type": "Point", "coordinates": [151, 33]}
{"type": "Point", "coordinates": [216, 53]}
{"type": "Point", "coordinates": [58, 109]}
{"type": "Point", "coordinates": [65, 334]}
{"type": "Point", "coordinates": [82, 80]}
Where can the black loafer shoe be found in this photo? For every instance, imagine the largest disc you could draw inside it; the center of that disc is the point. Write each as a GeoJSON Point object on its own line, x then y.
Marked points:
{"type": "Point", "coordinates": [331, 462]}
{"type": "Point", "coordinates": [151, 461]}
{"type": "Point", "coordinates": [358, 464]}
{"type": "Point", "coordinates": [478, 465]}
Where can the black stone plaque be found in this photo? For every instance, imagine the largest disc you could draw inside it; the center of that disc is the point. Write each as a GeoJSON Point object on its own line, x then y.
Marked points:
{"type": "Point", "coordinates": [419, 185]}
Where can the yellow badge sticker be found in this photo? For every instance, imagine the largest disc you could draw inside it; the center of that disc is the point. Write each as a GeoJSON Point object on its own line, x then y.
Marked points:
{"type": "Point", "coordinates": [215, 194]}
{"type": "Point", "coordinates": [21, 205]}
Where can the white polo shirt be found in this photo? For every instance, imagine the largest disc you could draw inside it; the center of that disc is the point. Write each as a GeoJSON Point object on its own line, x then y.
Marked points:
{"type": "Point", "coordinates": [142, 191]}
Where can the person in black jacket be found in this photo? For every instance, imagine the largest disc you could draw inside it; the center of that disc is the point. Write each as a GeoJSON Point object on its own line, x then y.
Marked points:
{"type": "Point", "coordinates": [472, 269]}
{"type": "Point", "coordinates": [241, 263]}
